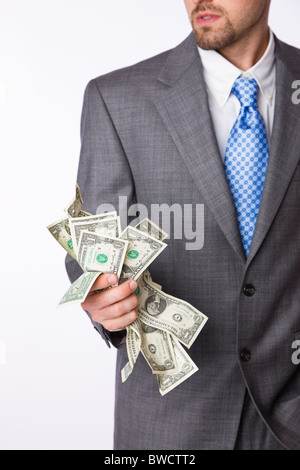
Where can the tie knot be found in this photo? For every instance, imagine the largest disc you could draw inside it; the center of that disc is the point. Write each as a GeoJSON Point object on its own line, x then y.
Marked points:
{"type": "Point", "coordinates": [245, 89]}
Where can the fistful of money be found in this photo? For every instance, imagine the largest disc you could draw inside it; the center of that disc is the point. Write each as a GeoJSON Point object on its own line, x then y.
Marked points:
{"type": "Point", "coordinates": [164, 322]}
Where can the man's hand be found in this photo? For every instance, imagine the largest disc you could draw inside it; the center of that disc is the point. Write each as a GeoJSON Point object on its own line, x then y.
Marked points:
{"type": "Point", "coordinates": [113, 308]}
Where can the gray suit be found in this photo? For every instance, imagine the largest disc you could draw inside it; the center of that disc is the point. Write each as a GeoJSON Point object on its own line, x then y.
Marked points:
{"type": "Point", "coordinates": [147, 133]}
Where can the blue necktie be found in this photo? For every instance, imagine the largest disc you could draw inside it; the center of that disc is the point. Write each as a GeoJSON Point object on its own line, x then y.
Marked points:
{"type": "Point", "coordinates": [246, 158]}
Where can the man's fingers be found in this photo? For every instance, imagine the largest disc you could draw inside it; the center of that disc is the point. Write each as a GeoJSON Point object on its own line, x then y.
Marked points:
{"type": "Point", "coordinates": [116, 310]}
{"type": "Point", "coordinates": [103, 281]}
{"type": "Point", "coordinates": [121, 322]}
{"type": "Point", "coordinates": [110, 296]}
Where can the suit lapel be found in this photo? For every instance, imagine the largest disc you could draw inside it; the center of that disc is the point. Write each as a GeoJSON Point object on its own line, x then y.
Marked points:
{"type": "Point", "coordinates": [183, 106]}
{"type": "Point", "coordinates": [284, 148]}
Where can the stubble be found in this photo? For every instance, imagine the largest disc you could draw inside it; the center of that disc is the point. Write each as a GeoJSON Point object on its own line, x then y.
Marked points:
{"type": "Point", "coordinates": [213, 38]}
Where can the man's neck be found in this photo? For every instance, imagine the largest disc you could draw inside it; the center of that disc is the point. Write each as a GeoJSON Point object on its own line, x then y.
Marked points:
{"type": "Point", "coordinates": [247, 51]}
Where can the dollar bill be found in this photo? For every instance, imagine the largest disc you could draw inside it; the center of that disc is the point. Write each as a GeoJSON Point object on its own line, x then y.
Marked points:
{"type": "Point", "coordinates": [133, 345]}
{"type": "Point", "coordinates": [185, 368]}
{"type": "Point", "coordinates": [142, 251]}
{"type": "Point", "coordinates": [100, 253]}
{"type": "Point", "coordinates": [94, 218]}
{"type": "Point", "coordinates": [157, 348]}
{"type": "Point", "coordinates": [78, 201]}
{"type": "Point", "coordinates": [126, 371]}
{"type": "Point", "coordinates": [149, 227]}
{"type": "Point", "coordinates": [98, 245]}
{"type": "Point", "coordinates": [106, 226]}
{"type": "Point", "coordinates": [74, 207]}
{"type": "Point", "coordinates": [83, 213]}
{"type": "Point", "coordinates": [157, 286]}
{"type": "Point", "coordinates": [147, 277]}
{"type": "Point", "coordinates": [79, 290]}
{"type": "Point", "coordinates": [168, 313]}
{"type": "Point", "coordinates": [66, 222]}
{"type": "Point", "coordinates": [59, 230]}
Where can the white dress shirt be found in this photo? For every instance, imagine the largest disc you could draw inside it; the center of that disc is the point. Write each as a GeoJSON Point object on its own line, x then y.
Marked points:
{"type": "Point", "coordinates": [220, 75]}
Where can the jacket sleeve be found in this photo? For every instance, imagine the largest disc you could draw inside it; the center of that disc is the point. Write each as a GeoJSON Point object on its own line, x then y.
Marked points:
{"type": "Point", "coordinates": [103, 174]}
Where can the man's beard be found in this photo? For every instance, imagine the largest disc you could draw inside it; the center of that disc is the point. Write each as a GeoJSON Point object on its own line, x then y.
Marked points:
{"type": "Point", "coordinates": [208, 38]}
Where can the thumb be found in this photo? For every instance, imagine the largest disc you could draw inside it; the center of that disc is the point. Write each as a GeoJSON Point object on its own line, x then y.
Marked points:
{"type": "Point", "coordinates": [104, 281]}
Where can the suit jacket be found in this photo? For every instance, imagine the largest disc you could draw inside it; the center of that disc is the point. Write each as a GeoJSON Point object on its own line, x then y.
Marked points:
{"type": "Point", "coordinates": [147, 134]}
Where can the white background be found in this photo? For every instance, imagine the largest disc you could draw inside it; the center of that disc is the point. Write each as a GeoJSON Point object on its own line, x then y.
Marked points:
{"type": "Point", "coordinates": [57, 382]}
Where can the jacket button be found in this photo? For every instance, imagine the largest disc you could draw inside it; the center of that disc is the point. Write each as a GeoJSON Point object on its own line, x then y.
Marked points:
{"type": "Point", "coordinates": [245, 355]}
{"type": "Point", "coordinates": [248, 290]}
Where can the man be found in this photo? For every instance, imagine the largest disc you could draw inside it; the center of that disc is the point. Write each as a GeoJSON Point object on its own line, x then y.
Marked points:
{"type": "Point", "coordinates": [210, 122]}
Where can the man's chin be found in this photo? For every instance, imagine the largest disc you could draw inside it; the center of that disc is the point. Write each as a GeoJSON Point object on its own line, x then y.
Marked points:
{"type": "Point", "coordinates": [208, 40]}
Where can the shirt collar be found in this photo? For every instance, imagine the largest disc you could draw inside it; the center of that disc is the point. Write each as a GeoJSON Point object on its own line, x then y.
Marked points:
{"type": "Point", "coordinates": [220, 74]}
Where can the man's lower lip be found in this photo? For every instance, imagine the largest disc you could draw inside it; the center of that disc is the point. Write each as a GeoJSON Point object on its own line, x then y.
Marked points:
{"type": "Point", "coordinates": [207, 20]}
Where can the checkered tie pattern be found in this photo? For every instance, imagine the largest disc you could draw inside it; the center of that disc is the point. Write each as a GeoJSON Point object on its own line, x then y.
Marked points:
{"type": "Point", "coordinates": [246, 158]}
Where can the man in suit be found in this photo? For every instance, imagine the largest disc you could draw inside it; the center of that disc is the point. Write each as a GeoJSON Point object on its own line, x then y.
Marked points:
{"type": "Point", "coordinates": [170, 130]}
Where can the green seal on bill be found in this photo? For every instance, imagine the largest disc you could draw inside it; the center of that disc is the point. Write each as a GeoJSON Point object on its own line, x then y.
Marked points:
{"type": "Point", "coordinates": [102, 259]}
{"type": "Point", "coordinates": [137, 291]}
{"type": "Point", "coordinates": [132, 254]}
